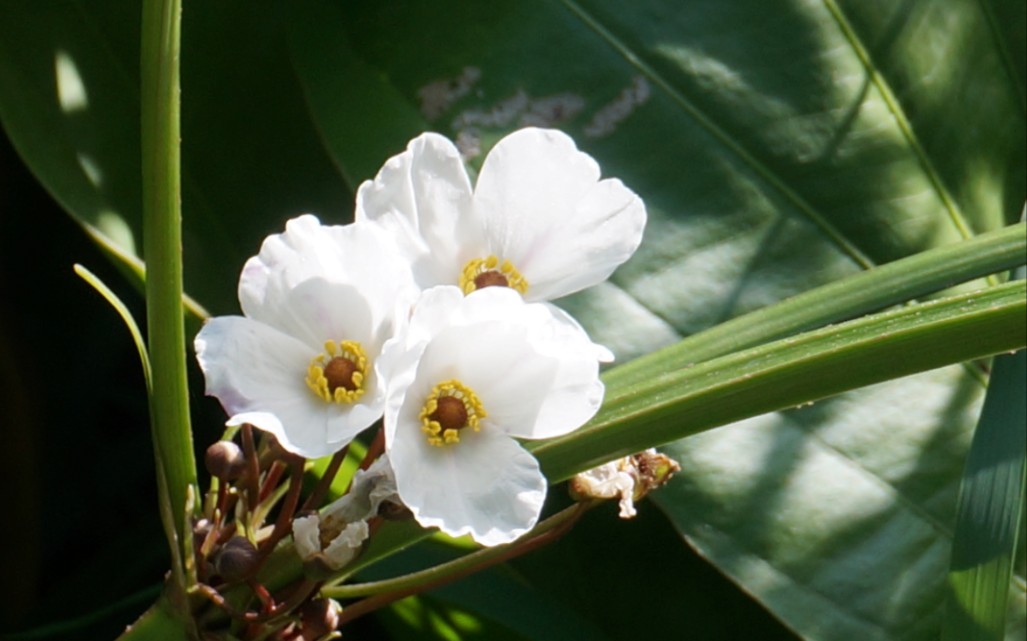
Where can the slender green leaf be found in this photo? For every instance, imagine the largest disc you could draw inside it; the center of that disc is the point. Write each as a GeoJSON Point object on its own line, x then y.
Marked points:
{"type": "Point", "coordinates": [682, 400]}
{"type": "Point", "coordinates": [69, 95]}
{"type": "Point", "coordinates": [893, 283]}
{"type": "Point", "coordinates": [126, 317]}
{"type": "Point", "coordinates": [990, 509]}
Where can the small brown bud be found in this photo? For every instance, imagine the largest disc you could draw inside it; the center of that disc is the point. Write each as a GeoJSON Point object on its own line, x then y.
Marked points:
{"type": "Point", "coordinates": [236, 560]}
{"type": "Point", "coordinates": [653, 470]}
{"type": "Point", "coordinates": [225, 460]}
{"type": "Point", "coordinates": [318, 618]}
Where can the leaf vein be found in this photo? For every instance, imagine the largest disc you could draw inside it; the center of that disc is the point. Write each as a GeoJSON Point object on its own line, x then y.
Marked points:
{"type": "Point", "coordinates": [722, 136]}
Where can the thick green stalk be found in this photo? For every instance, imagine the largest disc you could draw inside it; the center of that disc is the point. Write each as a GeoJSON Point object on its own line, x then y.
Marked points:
{"type": "Point", "coordinates": [162, 248]}
{"type": "Point", "coordinates": [877, 288]}
{"type": "Point", "coordinates": [679, 398]}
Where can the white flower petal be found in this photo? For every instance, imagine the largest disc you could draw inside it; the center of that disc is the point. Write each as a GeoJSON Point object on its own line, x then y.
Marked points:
{"type": "Point", "coordinates": [305, 429]}
{"type": "Point", "coordinates": [398, 368]}
{"type": "Point", "coordinates": [316, 311]}
{"type": "Point", "coordinates": [359, 255]}
{"type": "Point", "coordinates": [573, 400]}
{"type": "Point", "coordinates": [259, 375]}
{"type": "Point", "coordinates": [574, 329]}
{"type": "Point", "coordinates": [368, 489]}
{"type": "Point", "coordinates": [486, 485]}
{"type": "Point", "coordinates": [303, 247]}
{"type": "Point", "coordinates": [545, 209]}
{"type": "Point", "coordinates": [248, 364]}
{"type": "Point", "coordinates": [422, 197]}
{"type": "Point", "coordinates": [495, 360]}
{"type": "Point", "coordinates": [534, 369]}
{"type": "Point", "coordinates": [436, 309]}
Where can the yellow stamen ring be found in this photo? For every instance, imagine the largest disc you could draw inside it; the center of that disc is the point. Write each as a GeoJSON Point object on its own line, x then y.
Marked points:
{"type": "Point", "coordinates": [488, 272]}
{"type": "Point", "coordinates": [442, 419]}
{"type": "Point", "coordinates": [346, 363]}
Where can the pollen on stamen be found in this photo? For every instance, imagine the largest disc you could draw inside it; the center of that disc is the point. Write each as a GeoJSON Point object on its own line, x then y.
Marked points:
{"type": "Point", "coordinates": [490, 272]}
{"type": "Point", "coordinates": [450, 408]}
{"type": "Point", "coordinates": [338, 374]}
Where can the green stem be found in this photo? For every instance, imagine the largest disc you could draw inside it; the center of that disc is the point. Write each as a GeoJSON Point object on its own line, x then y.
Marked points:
{"type": "Point", "coordinates": [162, 248]}
{"type": "Point", "coordinates": [389, 590]}
{"type": "Point", "coordinates": [877, 288]}
{"type": "Point", "coordinates": [680, 398]}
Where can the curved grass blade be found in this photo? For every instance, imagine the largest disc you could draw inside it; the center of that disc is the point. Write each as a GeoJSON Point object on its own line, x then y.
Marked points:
{"type": "Point", "coordinates": [990, 509]}
{"type": "Point", "coordinates": [126, 316]}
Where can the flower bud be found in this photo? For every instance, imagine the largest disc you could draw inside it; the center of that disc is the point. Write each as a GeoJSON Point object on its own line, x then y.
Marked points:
{"type": "Point", "coordinates": [236, 560]}
{"type": "Point", "coordinates": [319, 618]}
{"type": "Point", "coordinates": [225, 460]}
{"type": "Point", "coordinates": [653, 470]}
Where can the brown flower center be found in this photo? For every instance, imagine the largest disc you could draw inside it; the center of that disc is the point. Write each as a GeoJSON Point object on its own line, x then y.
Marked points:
{"type": "Point", "coordinates": [451, 414]}
{"type": "Point", "coordinates": [490, 279]}
{"type": "Point", "coordinates": [339, 372]}
{"type": "Point", "coordinates": [491, 272]}
{"type": "Point", "coordinates": [450, 407]}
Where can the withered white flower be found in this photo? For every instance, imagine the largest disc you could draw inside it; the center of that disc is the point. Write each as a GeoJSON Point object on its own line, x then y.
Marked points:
{"type": "Point", "coordinates": [467, 376]}
{"type": "Point", "coordinates": [630, 478]}
{"type": "Point", "coordinates": [319, 304]}
{"type": "Point", "coordinates": [538, 220]}
{"type": "Point", "coordinates": [333, 537]}
{"type": "Point", "coordinates": [608, 481]}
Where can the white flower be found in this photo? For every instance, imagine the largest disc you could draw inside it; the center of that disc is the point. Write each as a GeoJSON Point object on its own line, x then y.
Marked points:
{"type": "Point", "coordinates": [319, 304]}
{"type": "Point", "coordinates": [538, 220]}
{"type": "Point", "coordinates": [333, 537]}
{"type": "Point", "coordinates": [466, 376]}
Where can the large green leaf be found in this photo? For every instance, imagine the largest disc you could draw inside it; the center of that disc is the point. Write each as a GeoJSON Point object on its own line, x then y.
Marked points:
{"type": "Point", "coordinates": [838, 516]}
{"type": "Point", "coordinates": [69, 100]}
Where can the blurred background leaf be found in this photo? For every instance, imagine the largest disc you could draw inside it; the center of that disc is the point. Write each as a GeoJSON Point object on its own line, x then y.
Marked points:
{"type": "Point", "coordinates": [778, 146]}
